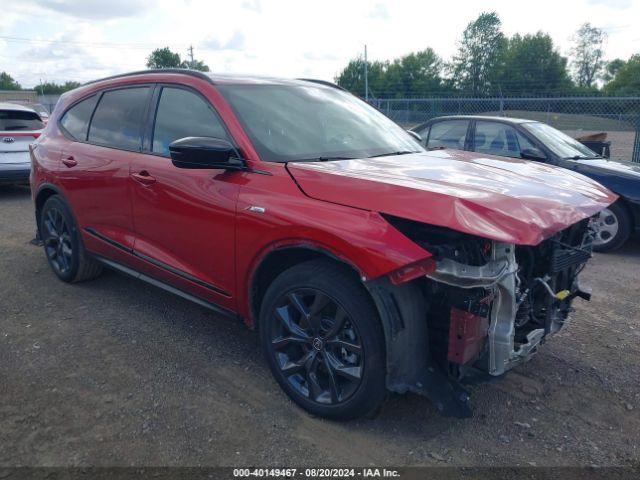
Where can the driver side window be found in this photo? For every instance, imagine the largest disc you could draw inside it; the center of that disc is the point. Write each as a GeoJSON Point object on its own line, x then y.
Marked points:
{"type": "Point", "coordinates": [180, 114]}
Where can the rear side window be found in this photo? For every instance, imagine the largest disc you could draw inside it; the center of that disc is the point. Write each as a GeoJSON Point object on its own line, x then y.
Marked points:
{"type": "Point", "coordinates": [76, 120]}
{"type": "Point", "coordinates": [118, 119]}
{"type": "Point", "coordinates": [180, 114]}
{"type": "Point", "coordinates": [450, 134]}
{"type": "Point", "coordinates": [16, 120]}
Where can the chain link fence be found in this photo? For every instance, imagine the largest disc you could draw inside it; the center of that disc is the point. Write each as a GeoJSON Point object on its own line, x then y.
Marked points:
{"type": "Point", "coordinates": [618, 117]}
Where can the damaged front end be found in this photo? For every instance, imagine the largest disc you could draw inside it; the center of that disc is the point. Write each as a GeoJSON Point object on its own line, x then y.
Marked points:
{"type": "Point", "coordinates": [485, 307]}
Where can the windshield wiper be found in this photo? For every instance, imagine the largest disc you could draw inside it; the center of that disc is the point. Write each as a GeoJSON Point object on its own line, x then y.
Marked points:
{"type": "Point", "coordinates": [322, 159]}
{"type": "Point", "coordinates": [390, 154]}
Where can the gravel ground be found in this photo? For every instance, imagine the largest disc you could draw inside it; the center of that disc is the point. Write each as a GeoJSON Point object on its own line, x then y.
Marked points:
{"type": "Point", "coordinates": [115, 372]}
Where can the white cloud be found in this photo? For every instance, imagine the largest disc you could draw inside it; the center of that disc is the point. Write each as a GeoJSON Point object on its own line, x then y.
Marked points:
{"type": "Point", "coordinates": [290, 38]}
{"type": "Point", "coordinates": [95, 9]}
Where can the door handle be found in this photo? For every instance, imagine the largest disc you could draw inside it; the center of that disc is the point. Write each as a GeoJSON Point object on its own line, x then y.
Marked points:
{"type": "Point", "coordinates": [144, 178]}
{"type": "Point", "coordinates": [69, 161]}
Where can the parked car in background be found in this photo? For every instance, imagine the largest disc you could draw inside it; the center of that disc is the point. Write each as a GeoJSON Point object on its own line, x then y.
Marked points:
{"type": "Point", "coordinates": [42, 111]}
{"type": "Point", "coordinates": [531, 140]}
{"type": "Point", "coordinates": [19, 127]}
{"type": "Point", "coordinates": [366, 263]}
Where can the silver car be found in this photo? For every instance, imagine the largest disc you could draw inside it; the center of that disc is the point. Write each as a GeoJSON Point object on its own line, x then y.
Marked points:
{"type": "Point", "coordinates": [19, 126]}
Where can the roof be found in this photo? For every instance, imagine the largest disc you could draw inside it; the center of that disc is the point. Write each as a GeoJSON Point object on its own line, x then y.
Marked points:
{"type": "Point", "coordinates": [223, 78]}
{"type": "Point", "coordinates": [484, 117]}
{"type": "Point", "coordinates": [15, 106]}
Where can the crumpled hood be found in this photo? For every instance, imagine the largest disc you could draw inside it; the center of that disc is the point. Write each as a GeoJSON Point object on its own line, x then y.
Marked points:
{"type": "Point", "coordinates": [507, 200]}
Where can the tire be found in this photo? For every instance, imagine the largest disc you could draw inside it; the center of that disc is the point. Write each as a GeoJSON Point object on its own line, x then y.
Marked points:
{"type": "Point", "coordinates": [331, 362]}
{"type": "Point", "coordinates": [613, 227]}
{"type": "Point", "coordinates": [62, 244]}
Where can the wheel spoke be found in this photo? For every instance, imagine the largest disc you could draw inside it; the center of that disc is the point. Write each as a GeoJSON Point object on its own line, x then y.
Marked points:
{"type": "Point", "coordinates": [315, 390]}
{"type": "Point", "coordinates": [338, 322]}
{"type": "Point", "coordinates": [293, 328]}
{"type": "Point", "coordinates": [348, 346]}
{"type": "Point", "coordinates": [280, 343]}
{"type": "Point", "coordinates": [298, 366]}
{"type": "Point", "coordinates": [352, 373]}
{"type": "Point", "coordinates": [298, 304]}
{"type": "Point", "coordinates": [333, 385]}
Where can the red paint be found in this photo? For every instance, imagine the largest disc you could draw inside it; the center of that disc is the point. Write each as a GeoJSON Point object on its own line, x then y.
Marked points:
{"type": "Point", "coordinates": [504, 199]}
{"type": "Point", "coordinates": [467, 334]}
{"type": "Point", "coordinates": [197, 222]}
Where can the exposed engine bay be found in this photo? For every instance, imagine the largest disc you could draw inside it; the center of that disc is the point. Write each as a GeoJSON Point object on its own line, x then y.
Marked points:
{"type": "Point", "coordinates": [489, 304]}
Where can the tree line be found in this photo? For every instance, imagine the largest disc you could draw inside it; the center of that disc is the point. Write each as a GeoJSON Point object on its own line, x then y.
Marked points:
{"type": "Point", "coordinates": [488, 63]}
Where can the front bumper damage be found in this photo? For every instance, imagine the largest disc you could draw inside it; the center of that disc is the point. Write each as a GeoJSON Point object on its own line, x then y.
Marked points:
{"type": "Point", "coordinates": [478, 312]}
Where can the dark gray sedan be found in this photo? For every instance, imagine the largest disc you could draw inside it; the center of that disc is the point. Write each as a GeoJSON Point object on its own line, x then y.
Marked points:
{"type": "Point", "coordinates": [511, 137]}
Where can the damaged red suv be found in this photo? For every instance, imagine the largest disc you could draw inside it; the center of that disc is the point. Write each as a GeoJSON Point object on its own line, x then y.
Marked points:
{"type": "Point", "coordinates": [366, 264]}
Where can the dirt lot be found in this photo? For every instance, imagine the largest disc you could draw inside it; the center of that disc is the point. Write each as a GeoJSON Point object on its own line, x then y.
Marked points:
{"type": "Point", "coordinates": [115, 372]}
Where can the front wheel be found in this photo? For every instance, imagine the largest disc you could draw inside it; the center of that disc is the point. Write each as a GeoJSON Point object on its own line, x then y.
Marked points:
{"type": "Point", "coordinates": [612, 227]}
{"type": "Point", "coordinates": [323, 340]}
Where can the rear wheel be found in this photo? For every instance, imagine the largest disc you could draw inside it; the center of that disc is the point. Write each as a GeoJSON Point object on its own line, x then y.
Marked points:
{"type": "Point", "coordinates": [62, 245]}
{"type": "Point", "coordinates": [323, 340]}
{"type": "Point", "coordinates": [613, 227]}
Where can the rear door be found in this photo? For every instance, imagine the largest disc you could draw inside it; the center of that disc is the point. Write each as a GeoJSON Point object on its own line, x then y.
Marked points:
{"type": "Point", "coordinates": [95, 165]}
{"type": "Point", "coordinates": [185, 218]}
{"type": "Point", "coordinates": [18, 129]}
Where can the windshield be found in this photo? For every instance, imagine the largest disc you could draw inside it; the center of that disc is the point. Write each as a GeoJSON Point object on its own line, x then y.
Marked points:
{"type": "Point", "coordinates": [288, 123]}
{"type": "Point", "coordinates": [559, 143]}
{"type": "Point", "coordinates": [19, 120]}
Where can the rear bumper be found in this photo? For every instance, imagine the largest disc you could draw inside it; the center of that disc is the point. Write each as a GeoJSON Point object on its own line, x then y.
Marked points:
{"type": "Point", "coordinates": [14, 176]}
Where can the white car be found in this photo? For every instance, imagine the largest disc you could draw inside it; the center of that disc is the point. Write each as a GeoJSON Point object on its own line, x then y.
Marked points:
{"type": "Point", "coordinates": [19, 126]}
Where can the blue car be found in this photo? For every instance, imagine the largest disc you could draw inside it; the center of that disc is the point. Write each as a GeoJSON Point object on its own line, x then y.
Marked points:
{"type": "Point", "coordinates": [531, 140]}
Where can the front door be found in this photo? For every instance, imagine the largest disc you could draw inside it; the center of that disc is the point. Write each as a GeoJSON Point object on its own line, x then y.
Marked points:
{"type": "Point", "coordinates": [184, 219]}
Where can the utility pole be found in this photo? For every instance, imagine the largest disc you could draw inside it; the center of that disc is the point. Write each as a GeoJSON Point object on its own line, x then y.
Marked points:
{"type": "Point", "coordinates": [191, 56]}
{"type": "Point", "coordinates": [366, 75]}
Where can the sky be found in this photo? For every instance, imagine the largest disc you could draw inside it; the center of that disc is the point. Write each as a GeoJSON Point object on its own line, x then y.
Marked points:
{"type": "Point", "coordinates": [60, 40]}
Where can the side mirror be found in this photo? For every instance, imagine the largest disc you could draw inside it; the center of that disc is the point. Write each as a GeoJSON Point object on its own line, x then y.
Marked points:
{"type": "Point", "coordinates": [205, 152]}
{"type": "Point", "coordinates": [533, 154]}
{"type": "Point", "coordinates": [415, 135]}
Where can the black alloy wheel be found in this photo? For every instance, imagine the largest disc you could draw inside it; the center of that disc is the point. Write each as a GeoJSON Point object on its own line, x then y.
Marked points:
{"type": "Point", "coordinates": [317, 346]}
{"type": "Point", "coordinates": [62, 244]}
{"type": "Point", "coordinates": [324, 341]}
{"type": "Point", "coordinates": [56, 236]}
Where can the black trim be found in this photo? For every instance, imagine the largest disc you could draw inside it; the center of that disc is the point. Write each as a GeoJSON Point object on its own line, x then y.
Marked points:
{"type": "Point", "coordinates": [323, 82]}
{"type": "Point", "coordinates": [157, 263]}
{"type": "Point", "coordinates": [145, 278]}
{"type": "Point", "coordinates": [180, 273]}
{"type": "Point", "coordinates": [106, 239]}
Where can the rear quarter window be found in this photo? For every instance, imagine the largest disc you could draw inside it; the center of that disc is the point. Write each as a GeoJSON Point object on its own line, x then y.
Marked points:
{"type": "Point", "coordinates": [76, 120]}
{"type": "Point", "coordinates": [17, 120]}
{"type": "Point", "coordinates": [117, 121]}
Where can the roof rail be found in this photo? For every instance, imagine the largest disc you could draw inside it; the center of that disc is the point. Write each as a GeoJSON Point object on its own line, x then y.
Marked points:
{"type": "Point", "coordinates": [322, 82]}
{"type": "Point", "coordinates": [186, 71]}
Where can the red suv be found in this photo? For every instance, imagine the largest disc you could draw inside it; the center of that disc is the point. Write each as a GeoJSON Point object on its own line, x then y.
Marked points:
{"type": "Point", "coordinates": [367, 264]}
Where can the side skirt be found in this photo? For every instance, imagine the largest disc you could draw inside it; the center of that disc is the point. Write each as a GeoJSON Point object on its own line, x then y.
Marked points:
{"type": "Point", "coordinates": [157, 283]}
